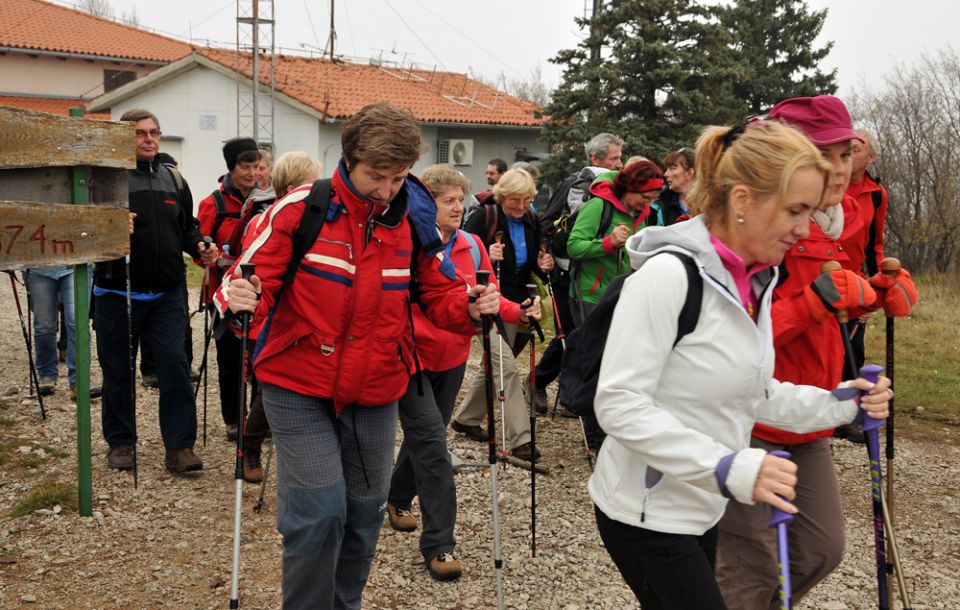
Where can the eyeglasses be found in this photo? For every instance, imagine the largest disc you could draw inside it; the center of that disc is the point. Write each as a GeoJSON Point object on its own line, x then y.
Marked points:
{"type": "Point", "coordinates": [153, 133]}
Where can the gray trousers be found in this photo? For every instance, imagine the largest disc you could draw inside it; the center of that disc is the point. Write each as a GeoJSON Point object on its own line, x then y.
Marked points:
{"type": "Point", "coordinates": [423, 465]}
{"type": "Point", "coordinates": [332, 481]}
{"type": "Point", "coordinates": [747, 547]}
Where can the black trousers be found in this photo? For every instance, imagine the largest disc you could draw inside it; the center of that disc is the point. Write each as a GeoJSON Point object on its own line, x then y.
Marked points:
{"type": "Point", "coordinates": [665, 571]}
{"type": "Point", "coordinates": [548, 368]}
{"type": "Point", "coordinates": [855, 331]}
{"type": "Point", "coordinates": [147, 363]}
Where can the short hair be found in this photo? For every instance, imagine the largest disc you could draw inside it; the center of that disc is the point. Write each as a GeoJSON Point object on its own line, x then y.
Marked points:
{"type": "Point", "coordinates": [514, 182]}
{"type": "Point", "coordinates": [530, 168]}
{"type": "Point", "coordinates": [684, 157]}
{"type": "Point", "coordinates": [266, 155]}
{"type": "Point", "coordinates": [634, 176]}
{"type": "Point", "coordinates": [598, 145]}
{"type": "Point", "coordinates": [500, 164]}
{"type": "Point", "coordinates": [136, 115]}
{"type": "Point", "coordinates": [249, 156]}
{"type": "Point", "coordinates": [869, 139]}
{"type": "Point", "coordinates": [442, 177]}
{"type": "Point", "coordinates": [764, 158]}
{"type": "Point", "coordinates": [382, 136]}
{"type": "Point", "coordinates": [293, 169]}
{"type": "Point", "coordinates": [634, 159]}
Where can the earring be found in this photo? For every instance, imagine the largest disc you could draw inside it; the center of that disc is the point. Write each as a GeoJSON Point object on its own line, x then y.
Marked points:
{"type": "Point", "coordinates": [740, 219]}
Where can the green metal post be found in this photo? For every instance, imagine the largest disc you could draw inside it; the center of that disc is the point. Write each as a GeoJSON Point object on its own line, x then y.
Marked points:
{"type": "Point", "coordinates": [81, 295]}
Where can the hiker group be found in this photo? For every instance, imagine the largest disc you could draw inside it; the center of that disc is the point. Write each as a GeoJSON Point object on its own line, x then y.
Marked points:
{"type": "Point", "coordinates": [360, 294]}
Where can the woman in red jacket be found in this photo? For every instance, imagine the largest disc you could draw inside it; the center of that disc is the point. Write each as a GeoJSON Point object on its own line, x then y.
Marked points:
{"type": "Point", "coordinates": [335, 350]}
{"type": "Point", "coordinates": [809, 351]}
{"type": "Point", "coordinates": [423, 464]}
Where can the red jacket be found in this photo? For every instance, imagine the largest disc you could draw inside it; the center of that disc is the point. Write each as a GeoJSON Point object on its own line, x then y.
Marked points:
{"type": "Point", "coordinates": [439, 349]}
{"type": "Point", "coordinates": [207, 217]}
{"type": "Point", "coordinates": [809, 350]}
{"type": "Point", "coordinates": [341, 329]}
{"type": "Point", "coordinates": [865, 246]}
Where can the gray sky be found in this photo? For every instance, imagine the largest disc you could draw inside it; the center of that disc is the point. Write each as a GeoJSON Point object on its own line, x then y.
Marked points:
{"type": "Point", "coordinates": [516, 36]}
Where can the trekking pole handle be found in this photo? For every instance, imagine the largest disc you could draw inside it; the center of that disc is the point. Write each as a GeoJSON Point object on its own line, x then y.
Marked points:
{"type": "Point", "coordinates": [207, 240]}
{"type": "Point", "coordinates": [871, 373]}
{"type": "Point", "coordinates": [543, 246]}
{"type": "Point", "coordinates": [827, 267]}
{"type": "Point", "coordinates": [890, 266]}
{"type": "Point", "coordinates": [498, 237]}
{"type": "Point", "coordinates": [246, 272]}
{"type": "Point", "coordinates": [532, 293]}
{"type": "Point", "coordinates": [483, 279]}
{"type": "Point", "coordinates": [778, 516]}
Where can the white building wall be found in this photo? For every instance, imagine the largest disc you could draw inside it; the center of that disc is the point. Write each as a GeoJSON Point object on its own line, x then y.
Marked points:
{"type": "Point", "coordinates": [45, 75]}
{"type": "Point", "coordinates": [488, 143]}
{"type": "Point", "coordinates": [198, 111]}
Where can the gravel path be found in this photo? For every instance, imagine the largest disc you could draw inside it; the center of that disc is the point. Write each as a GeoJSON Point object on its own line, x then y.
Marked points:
{"type": "Point", "coordinates": [168, 543]}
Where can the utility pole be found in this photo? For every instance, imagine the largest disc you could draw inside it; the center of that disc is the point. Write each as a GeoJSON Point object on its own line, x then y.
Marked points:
{"type": "Point", "coordinates": [595, 48]}
{"type": "Point", "coordinates": [255, 116]}
{"type": "Point", "coordinates": [332, 39]}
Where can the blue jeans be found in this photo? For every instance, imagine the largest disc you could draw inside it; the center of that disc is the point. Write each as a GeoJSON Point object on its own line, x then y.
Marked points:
{"type": "Point", "coordinates": [45, 294]}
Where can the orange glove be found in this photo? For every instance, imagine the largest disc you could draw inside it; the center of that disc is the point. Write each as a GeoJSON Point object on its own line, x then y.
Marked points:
{"type": "Point", "coordinates": [899, 293]}
{"type": "Point", "coordinates": [838, 290]}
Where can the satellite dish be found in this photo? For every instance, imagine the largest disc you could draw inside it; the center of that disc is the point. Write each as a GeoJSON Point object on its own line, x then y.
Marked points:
{"type": "Point", "coordinates": [459, 153]}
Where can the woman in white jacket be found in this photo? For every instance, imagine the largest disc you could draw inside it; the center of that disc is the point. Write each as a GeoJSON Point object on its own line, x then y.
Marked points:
{"type": "Point", "coordinates": [678, 419]}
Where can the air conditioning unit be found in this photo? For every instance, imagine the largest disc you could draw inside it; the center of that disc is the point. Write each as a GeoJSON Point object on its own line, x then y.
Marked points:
{"type": "Point", "coordinates": [455, 152]}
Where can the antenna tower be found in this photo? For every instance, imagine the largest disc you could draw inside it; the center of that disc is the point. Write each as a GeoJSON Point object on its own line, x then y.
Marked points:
{"type": "Point", "coordinates": [255, 21]}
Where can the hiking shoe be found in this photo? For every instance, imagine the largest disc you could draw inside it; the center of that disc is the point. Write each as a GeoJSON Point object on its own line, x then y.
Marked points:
{"type": "Point", "coordinates": [540, 401]}
{"type": "Point", "coordinates": [401, 519]}
{"type": "Point", "coordinates": [95, 392]}
{"type": "Point", "coordinates": [851, 432]}
{"type": "Point", "coordinates": [47, 387]}
{"type": "Point", "coordinates": [150, 380]}
{"type": "Point", "coordinates": [120, 457]}
{"type": "Point", "coordinates": [182, 460]}
{"type": "Point", "coordinates": [565, 412]}
{"type": "Point", "coordinates": [231, 433]}
{"type": "Point", "coordinates": [252, 470]}
{"type": "Point", "coordinates": [444, 567]}
{"type": "Point", "coordinates": [194, 375]}
{"type": "Point", "coordinates": [523, 452]}
{"type": "Point", "coordinates": [473, 432]}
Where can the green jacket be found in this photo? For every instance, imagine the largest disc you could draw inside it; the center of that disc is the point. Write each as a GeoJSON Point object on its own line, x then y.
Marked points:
{"type": "Point", "coordinates": [596, 261]}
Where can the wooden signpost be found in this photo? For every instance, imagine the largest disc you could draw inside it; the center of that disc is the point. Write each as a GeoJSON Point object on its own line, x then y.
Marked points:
{"type": "Point", "coordinates": [47, 161]}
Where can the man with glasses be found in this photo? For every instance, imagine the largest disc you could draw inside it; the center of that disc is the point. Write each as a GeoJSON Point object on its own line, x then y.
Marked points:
{"type": "Point", "coordinates": [151, 303]}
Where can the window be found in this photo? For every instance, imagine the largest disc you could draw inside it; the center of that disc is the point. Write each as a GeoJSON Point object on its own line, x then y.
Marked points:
{"type": "Point", "coordinates": [113, 79]}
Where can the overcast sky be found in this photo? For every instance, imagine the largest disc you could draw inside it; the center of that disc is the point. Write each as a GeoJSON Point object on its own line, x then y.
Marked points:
{"type": "Point", "coordinates": [516, 36]}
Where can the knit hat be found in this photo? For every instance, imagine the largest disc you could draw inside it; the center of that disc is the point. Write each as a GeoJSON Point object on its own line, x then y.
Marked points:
{"type": "Point", "coordinates": [823, 119]}
{"type": "Point", "coordinates": [235, 147]}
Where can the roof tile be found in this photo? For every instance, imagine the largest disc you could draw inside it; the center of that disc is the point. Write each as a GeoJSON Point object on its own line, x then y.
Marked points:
{"type": "Point", "coordinates": [50, 105]}
{"type": "Point", "coordinates": [39, 25]}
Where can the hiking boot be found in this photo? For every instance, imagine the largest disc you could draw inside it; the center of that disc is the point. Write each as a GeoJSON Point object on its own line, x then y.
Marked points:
{"type": "Point", "coordinates": [401, 519]}
{"type": "Point", "coordinates": [182, 460]}
{"type": "Point", "coordinates": [120, 457]}
{"type": "Point", "coordinates": [540, 402]}
{"type": "Point", "coordinates": [95, 392]}
{"type": "Point", "coordinates": [444, 567]}
{"type": "Point", "coordinates": [194, 375]}
{"type": "Point", "coordinates": [851, 432]}
{"type": "Point", "coordinates": [565, 412]}
{"type": "Point", "coordinates": [150, 380]}
{"type": "Point", "coordinates": [252, 470]}
{"type": "Point", "coordinates": [473, 432]}
{"type": "Point", "coordinates": [231, 433]}
{"type": "Point", "coordinates": [523, 452]}
{"type": "Point", "coordinates": [47, 387]}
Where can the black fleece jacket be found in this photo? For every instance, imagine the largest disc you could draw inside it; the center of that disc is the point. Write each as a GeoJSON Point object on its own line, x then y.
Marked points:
{"type": "Point", "coordinates": [164, 229]}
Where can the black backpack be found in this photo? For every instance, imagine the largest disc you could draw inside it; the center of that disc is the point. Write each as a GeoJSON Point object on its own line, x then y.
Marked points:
{"type": "Point", "coordinates": [564, 225]}
{"type": "Point", "coordinates": [584, 347]}
{"type": "Point", "coordinates": [561, 213]}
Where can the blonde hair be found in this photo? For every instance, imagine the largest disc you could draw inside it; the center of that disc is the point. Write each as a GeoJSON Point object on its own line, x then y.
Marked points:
{"type": "Point", "coordinates": [293, 169]}
{"type": "Point", "coordinates": [514, 182]}
{"type": "Point", "coordinates": [442, 177]}
{"type": "Point", "coordinates": [763, 158]}
{"type": "Point", "coordinates": [635, 159]}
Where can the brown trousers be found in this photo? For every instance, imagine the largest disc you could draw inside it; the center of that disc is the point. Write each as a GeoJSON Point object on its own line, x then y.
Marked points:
{"type": "Point", "coordinates": [747, 548]}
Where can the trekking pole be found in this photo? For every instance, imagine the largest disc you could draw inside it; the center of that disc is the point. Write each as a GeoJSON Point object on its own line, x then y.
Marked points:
{"type": "Point", "coordinates": [557, 323]}
{"type": "Point", "coordinates": [483, 278]}
{"type": "Point", "coordinates": [263, 481]}
{"type": "Point", "coordinates": [133, 373]}
{"type": "Point", "coordinates": [34, 379]}
{"type": "Point", "coordinates": [501, 397]}
{"type": "Point", "coordinates": [780, 519]}
{"type": "Point", "coordinates": [246, 271]}
{"type": "Point", "coordinates": [534, 330]}
{"type": "Point", "coordinates": [204, 304]}
{"type": "Point", "coordinates": [890, 267]}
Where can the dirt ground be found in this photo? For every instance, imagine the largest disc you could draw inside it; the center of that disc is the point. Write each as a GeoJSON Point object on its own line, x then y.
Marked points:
{"type": "Point", "coordinates": [167, 544]}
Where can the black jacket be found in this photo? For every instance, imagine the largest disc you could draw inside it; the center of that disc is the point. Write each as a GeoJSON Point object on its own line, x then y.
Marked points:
{"type": "Point", "coordinates": [670, 207]}
{"type": "Point", "coordinates": [513, 281]}
{"type": "Point", "coordinates": [163, 230]}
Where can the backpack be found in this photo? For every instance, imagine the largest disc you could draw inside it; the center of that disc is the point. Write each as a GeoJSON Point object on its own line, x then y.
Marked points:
{"type": "Point", "coordinates": [564, 226]}
{"type": "Point", "coordinates": [222, 214]}
{"type": "Point", "coordinates": [557, 231]}
{"type": "Point", "coordinates": [584, 347]}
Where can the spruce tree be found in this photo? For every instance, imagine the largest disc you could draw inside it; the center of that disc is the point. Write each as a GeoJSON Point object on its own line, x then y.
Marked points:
{"type": "Point", "coordinates": [665, 68]}
{"type": "Point", "coordinates": [774, 41]}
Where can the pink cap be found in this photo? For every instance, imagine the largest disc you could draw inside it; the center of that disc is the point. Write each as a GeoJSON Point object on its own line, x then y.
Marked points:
{"type": "Point", "coordinates": [824, 119]}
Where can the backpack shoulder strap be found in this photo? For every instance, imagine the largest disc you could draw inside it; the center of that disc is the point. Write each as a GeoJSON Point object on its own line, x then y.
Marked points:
{"type": "Point", "coordinates": [317, 204]}
{"type": "Point", "coordinates": [606, 218]}
{"type": "Point", "coordinates": [178, 180]}
{"type": "Point", "coordinates": [489, 221]}
{"type": "Point", "coordinates": [690, 312]}
{"type": "Point", "coordinates": [474, 249]}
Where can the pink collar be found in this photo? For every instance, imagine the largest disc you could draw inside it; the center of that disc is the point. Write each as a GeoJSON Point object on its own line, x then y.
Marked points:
{"type": "Point", "coordinates": [741, 274]}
